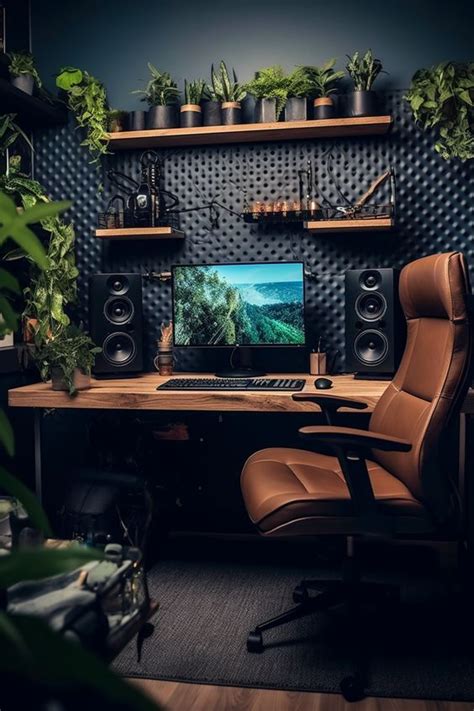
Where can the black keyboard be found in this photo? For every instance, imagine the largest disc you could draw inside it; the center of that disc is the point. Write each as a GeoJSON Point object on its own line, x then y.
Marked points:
{"type": "Point", "coordinates": [232, 384]}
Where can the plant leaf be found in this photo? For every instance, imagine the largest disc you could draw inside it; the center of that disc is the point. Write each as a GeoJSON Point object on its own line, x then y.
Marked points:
{"type": "Point", "coordinates": [6, 434]}
{"type": "Point", "coordinates": [8, 281]}
{"type": "Point", "coordinates": [14, 487]}
{"type": "Point", "coordinates": [39, 563]}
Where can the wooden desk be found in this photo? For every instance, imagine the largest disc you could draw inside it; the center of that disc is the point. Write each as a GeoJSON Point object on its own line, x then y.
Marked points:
{"type": "Point", "coordinates": [140, 393]}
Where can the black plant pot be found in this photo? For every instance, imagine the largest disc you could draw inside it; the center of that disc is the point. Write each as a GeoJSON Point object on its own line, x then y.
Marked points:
{"type": "Point", "coordinates": [323, 108]}
{"type": "Point", "coordinates": [231, 113]}
{"type": "Point", "coordinates": [136, 120]}
{"type": "Point", "coordinates": [190, 116]}
{"type": "Point", "coordinates": [296, 109]}
{"type": "Point", "coordinates": [265, 111]}
{"type": "Point", "coordinates": [24, 82]}
{"type": "Point", "coordinates": [211, 113]}
{"type": "Point", "coordinates": [362, 103]}
{"type": "Point", "coordinates": [162, 117]}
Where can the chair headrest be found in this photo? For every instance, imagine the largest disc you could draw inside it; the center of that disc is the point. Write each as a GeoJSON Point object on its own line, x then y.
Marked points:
{"type": "Point", "coordinates": [435, 287]}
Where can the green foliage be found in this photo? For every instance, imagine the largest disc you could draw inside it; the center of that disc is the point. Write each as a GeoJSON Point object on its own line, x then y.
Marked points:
{"type": "Point", "coordinates": [10, 132]}
{"type": "Point", "coordinates": [70, 349]}
{"type": "Point", "coordinates": [223, 87]}
{"type": "Point", "coordinates": [161, 89]}
{"type": "Point", "coordinates": [298, 83]}
{"type": "Point", "coordinates": [270, 83]}
{"type": "Point", "coordinates": [363, 70]}
{"type": "Point", "coordinates": [194, 91]}
{"type": "Point", "coordinates": [322, 80]}
{"type": "Point", "coordinates": [87, 99]}
{"type": "Point", "coordinates": [442, 97]}
{"type": "Point", "coordinates": [23, 63]}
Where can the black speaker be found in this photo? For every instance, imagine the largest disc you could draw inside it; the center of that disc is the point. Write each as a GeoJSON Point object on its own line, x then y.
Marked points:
{"type": "Point", "coordinates": [116, 323]}
{"type": "Point", "coordinates": [375, 325]}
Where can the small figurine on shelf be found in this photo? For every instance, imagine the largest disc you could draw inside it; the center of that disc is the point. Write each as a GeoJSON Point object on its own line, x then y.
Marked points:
{"type": "Point", "coordinates": [164, 358]}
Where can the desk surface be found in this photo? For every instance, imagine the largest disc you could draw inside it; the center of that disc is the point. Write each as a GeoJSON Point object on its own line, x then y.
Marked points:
{"type": "Point", "coordinates": [139, 393]}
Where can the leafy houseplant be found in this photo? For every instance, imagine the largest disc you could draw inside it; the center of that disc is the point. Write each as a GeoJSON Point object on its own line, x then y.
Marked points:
{"type": "Point", "coordinates": [229, 92]}
{"type": "Point", "coordinates": [323, 83]}
{"type": "Point", "coordinates": [270, 89]}
{"type": "Point", "coordinates": [161, 94]}
{"type": "Point", "coordinates": [68, 359]}
{"type": "Point", "coordinates": [23, 72]}
{"type": "Point", "coordinates": [443, 98]}
{"type": "Point", "coordinates": [363, 72]}
{"type": "Point", "coordinates": [190, 112]}
{"type": "Point", "coordinates": [117, 120]}
{"type": "Point", "coordinates": [87, 99]}
{"type": "Point", "coordinates": [298, 91]}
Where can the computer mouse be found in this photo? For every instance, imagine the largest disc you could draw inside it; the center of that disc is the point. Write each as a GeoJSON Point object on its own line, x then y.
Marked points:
{"type": "Point", "coordinates": [322, 383]}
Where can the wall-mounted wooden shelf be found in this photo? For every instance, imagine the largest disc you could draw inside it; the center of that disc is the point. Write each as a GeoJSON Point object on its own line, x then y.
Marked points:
{"type": "Point", "coordinates": [31, 111]}
{"type": "Point", "coordinates": [138, 233]}
{"type": "Point", "coordinates": [377, 224]}
{"type": "Point", "coordinates": [251, 132]}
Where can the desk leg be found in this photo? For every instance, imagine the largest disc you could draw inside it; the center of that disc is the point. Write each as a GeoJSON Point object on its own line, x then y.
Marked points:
{"type": "Point", "coordinates": [38, 416]}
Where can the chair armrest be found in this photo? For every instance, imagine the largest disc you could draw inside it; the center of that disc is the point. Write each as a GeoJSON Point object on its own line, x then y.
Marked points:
{"type": "Point", "coordinates": [329, 404]}
{"type": "Point", "coordinates": [351, 438]}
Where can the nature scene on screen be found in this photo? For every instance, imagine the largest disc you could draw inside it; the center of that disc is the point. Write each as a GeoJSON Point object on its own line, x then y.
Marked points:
{"type": "Point", "coordinates": [239, 304]}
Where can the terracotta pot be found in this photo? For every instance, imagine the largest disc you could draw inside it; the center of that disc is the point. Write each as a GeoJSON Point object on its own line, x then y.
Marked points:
{"type": "Point", "coordinates": [190, 116]}
{"type": "Point", "coordinates": [231, 113]}
{"type": "Point", "coordinates": [323, 108]}
{"type": "Point", "coordinates": [81, 381]}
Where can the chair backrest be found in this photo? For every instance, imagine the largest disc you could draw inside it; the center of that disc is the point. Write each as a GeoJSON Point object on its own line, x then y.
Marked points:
{"type": "Point", "coordinates": [432, 380]}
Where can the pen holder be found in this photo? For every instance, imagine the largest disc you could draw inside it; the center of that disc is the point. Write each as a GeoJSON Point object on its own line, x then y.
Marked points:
{"type": "Point", "coordinates": [318, 364]}
{"type": "Point", "coordinates": [163, 360]}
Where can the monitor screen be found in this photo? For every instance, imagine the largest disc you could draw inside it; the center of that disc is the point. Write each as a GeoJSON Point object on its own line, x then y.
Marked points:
{"type": "Point", "coordinates": [239, 304]}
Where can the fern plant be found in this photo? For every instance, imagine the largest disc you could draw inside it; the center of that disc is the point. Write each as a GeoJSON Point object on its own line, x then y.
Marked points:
{"type": "Point", "coordinates": [270, 83]}
{"type": "Point", "coordinates": [161, 89]}
{"type": "Point", "coordinates": [224, 88]}
{"type": "Point", "coordinates": [194, 91]}
{"type": "Point", "coordinates": [322, 80]}
{"type": "Point", "coordinates": [443, 98]}
{"type": "Point", "coordinates": [298, 83]}
{"type": "Point", "coordinates": [363, 70]}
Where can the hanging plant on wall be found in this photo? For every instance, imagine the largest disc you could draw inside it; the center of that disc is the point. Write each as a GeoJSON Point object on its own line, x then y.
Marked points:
{"type": "Point", "coordinates": [87, 99]}
{"type": "Point", "coordinates": [442, 97]}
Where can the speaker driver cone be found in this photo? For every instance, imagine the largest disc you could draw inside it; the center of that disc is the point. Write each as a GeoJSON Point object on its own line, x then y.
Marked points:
{"type": "Point", "coordinates": [370, 347]}
{"type": "Point", "coordinates": [118, 310]}
{"type": "Point", "coordinates": [119, 349]}
{"type": "Point", "coordinates": [370, 307]}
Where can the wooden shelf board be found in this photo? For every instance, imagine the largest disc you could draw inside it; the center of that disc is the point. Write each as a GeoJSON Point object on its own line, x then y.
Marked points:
{"type": "Point", "coordinates": [31, 111]}
{"type": "Point", "coordinates": [135, 233]}
{"type": "Point", "coordinates": [251, 132]}
{"type": "Point", "coordinates": [378, 224]}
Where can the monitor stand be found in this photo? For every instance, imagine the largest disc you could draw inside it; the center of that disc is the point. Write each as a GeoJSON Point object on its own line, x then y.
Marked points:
{"type": "Point", "coordinates": [244, 368]}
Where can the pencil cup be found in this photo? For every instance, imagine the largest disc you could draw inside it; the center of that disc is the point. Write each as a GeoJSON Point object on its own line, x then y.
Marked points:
{"type": "Point", "coordinates": [318, 364]}
{"type": "Point", "coordinates": [164, 360]}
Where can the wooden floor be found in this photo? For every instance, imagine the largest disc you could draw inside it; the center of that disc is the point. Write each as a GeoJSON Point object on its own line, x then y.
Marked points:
{"type": "Point", "coordinates": [174, 696]}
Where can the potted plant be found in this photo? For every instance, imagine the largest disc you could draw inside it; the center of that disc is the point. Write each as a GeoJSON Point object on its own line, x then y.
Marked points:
{"type": "Point", "coordinates": [442, 97]}
{"type": "Point", "coordinates": [230, 93]}
{"type": "Point", "coordinates": [67, 360]}
{"type": "Point", "coordinates": [323, 84]}
{"type": "Point", "coordinates": [190, 111]}
{"type": "Point", "coordinates": [161, 94]}
{"type": "Point", "coordinates": [270, 89]}
{"type": "Point", "coordinates": [117, 120]}
{"type": "Point", "coordinates": [23, 72]}
{"type": "Point", "coordinates": [363, 72]}
{"type": "Point", "coordinates": [211, 107]}
{"type": "Point", "coordinates": [299, 88]}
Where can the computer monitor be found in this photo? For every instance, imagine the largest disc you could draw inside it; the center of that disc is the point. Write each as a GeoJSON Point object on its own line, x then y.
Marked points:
{"type": "Point", "coordinates": [243, 305]}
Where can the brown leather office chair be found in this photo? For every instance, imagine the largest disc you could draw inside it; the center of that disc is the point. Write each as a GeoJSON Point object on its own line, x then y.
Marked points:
{"type": "Point", "coordinates": [389, 480]}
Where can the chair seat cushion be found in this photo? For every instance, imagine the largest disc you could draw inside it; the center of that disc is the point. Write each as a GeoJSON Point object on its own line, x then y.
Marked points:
{"type": "Point", "coordinates": [287, 489]}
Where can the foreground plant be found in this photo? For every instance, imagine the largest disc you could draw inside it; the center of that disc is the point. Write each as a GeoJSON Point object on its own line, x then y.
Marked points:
{"type": "Point", "coordinates": [61, 355]}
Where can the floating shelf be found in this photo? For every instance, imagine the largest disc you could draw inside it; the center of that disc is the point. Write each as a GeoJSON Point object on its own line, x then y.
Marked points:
{"type": "Point", "coordinates": [136, 233]}
{"type": "Point", "coordinates": [377, 224]}
{"type": "Point", "coordinates": [251, 132]}
{"type": "Point", "coordinates": [31, 111]}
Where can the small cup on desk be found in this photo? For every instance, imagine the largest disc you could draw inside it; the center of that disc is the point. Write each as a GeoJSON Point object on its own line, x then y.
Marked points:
{"type": "Point", "coordinates": [318, 363]}
{"type": "Point", "coordinates": [164, 359]}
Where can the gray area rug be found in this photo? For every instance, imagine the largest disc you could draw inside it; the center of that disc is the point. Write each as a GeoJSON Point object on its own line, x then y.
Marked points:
{"type": "Point", "coordinates": [207, 609]}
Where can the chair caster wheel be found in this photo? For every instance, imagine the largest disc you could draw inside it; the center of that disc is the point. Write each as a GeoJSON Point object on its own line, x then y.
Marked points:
{"type": "Point", "coordinates": [352, 688]}
{"type": "Point", "coordinates": [255, 642]}
{"type": "Point", "coordinates": [300, 594]}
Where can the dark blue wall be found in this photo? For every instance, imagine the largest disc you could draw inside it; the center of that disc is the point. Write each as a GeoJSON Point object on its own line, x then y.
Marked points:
{"type": "Point", "coordinates": [115, 39]}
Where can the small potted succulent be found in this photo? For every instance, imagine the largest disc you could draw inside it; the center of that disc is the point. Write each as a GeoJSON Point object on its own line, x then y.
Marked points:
{"type": "Point", "coordinates": [211, 107]}
{"type": "Point", "coordinates": [230, 93]}
{"type": "Point", "coordinates": [190, 112]}
{"type": "Point", "coordinates": [68, 359]}
{"type": "Point", "coordinates": [161, 94]}
{"type": "Point", "coordinates": [363, 72]}
{"type": "Point", "coordinates": [117, 120]}
{"type": "Point", "coordinates": [323, 83]}
{"type": "Point", "coordinates": [270, 89]}
{"type": "Point", "coordinates": [299, 87]}
{"type": "Point", "coordinates": [23, 72]}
